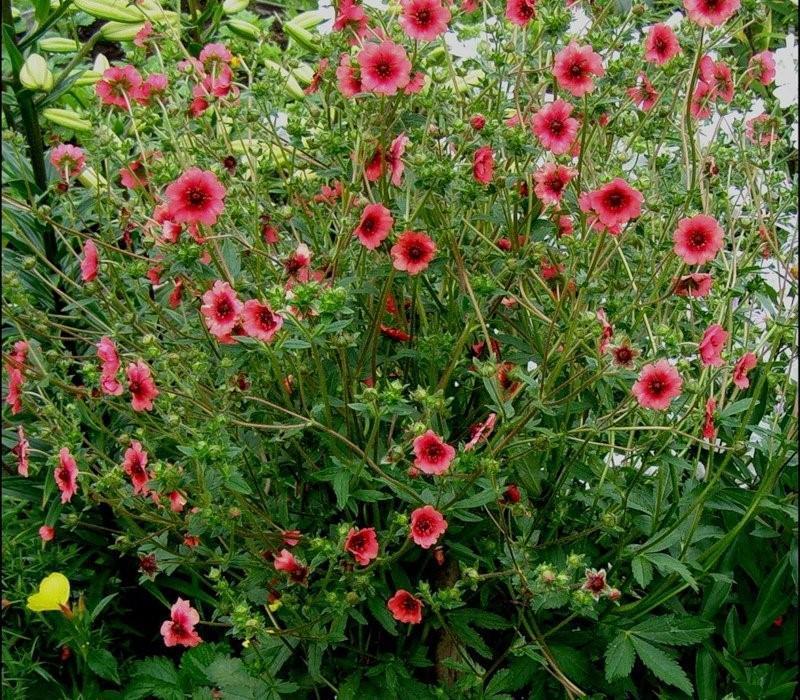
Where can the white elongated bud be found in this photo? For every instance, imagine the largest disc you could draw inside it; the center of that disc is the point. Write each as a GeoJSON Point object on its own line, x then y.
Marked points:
{"type": "Point", "coordinates": [35, 74]}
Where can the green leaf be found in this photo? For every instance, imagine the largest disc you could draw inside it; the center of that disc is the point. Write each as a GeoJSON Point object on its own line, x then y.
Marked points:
{"type": "Point", "coordinates": [642, 571]}
{"type": "Point", "coordinates": [194, 663]}
{"type": "Point", "coordinates": [619, 657]}
{"type": "Point", "coordinates": [480, 618]}
{"type": "Point", "coordinates": [705, 675]}
{"type": "Point", "coordinates": [673, 631]}
{"type": "Point", "coordinates": [770, 603]}
{"type": "Point", "coordinates": [103, 663]}
{"type": "Point", "coordinates": [231, 677]}
{"type": "Point", "coordinates": [378, 609]}
{"type": "Point", "coordinates": [663, 667]}
{"type": "Point", "coordinates": [154, 678]}
{"type": "Point", "coordinates": [341, 487]}
{"type": "Point", "coordinates": [315, 652]}
{"type": "Point", "coordinates": [668, 564]}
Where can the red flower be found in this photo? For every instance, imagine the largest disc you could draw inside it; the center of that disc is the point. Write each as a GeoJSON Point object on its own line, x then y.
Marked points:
{"type": "Point", "coordinates": [574, 67]}
{"type": "Point", "coordinates": [413, 252]}
{"type": "Point", "coordinates": [565, 226]}
{"type": "Point", "coordinates": [483, 165]}
{"type": "Point", "coordinates": [348, 77]}
{"type": "Point", "coordinates": [109, 359]}
{"type": "Point", "coordinates": [69, 160]}
{"type": "Point", "coordinates": [644, 95]}
{"type": "Point", "coordinates": [142, 387]}
{"type": "Point", "coordinates": [90, 261]}
{"type": "Point", "coordinates": [287, 563]}
{"type": "Point", "coordinates": [761, 130]}
{"type": "Point", "coordinates": [179, 629]}
{"type": "Point", "coordinates": [133, 176]}
{"type": "Point", "coordinates": [291, 537]}
{"type": "Point", "coordinates": [221, 308]}
{"type": "Point", "coordinates": [375, 226]}
{"type": "Point", "coordinates": [657, 385]}
{"type": "Point", "coordinates": [762, 67]}
{"type": "Point", "coordinates": [385, 68]}
{"type": "Point", "coordinates": [520, 12]}
{"type": "Point", "coordinates": [47, 533]}
{"type": "Point", "coordinates": [416, 84]}
{"type": "Point", "coordinates": [373, 168]}
{"type": "Point", "coordinates": [66, 475]}
{"type": "Point", "coordinates": [697, 239]}
{"type": "Point", "coordinates": [743, 365]}
{"type": "Point", "coordinates": [316, 78]}
{"type": "Point", "coordinates": [551, 181]}
{"type": "Point", "coordinates": [709, 431]}
{"type": "Point", "coordinates": [196, 197]}
{"type": "Point", "coordinates": [396, 334]}
{"type": "Point", "coordinates": [423, 19]}
{"type": "Point", "coordinates": [696, 285]}
{"type": "Point", "coordinates": [394, 159]}
{"type": "Point", "coordinates": [615, 203]}
{"type": "Point", "coordinates": [260, 321]}
{"type": "Point", "coordinates": [554, 127]}
{"type": "Point", "coordinates": [711, 345]}
{"type": "Point", "coordinates": [118, 86]}
{"type": "Point", "coordinates": [477, 121]}
{"type": "Point", "coordinates": [176, 501]}
{"type": "Point", "coordinates": [154, 85]}
{"type": "Point", "coordinates": [511, 494]}
{"type": "Point", "coordinates": [661, 44]}
{"type": "Point", "coordinates": [405, 607]}
{"type": "Point", "coordinates": [717, 75]}
{"type": "Point", "coordinates": [176, 294]}
{"type": "Point", "coordinates": [20, 451]}
{"type": "Point", "coordinates": [624, 355]}
{"type": "Point", "coordinates": [134, 464]}
{"type": "Point", "coordinates": [427, 526]}
{"type": "Point", "coordinates": [362, 544]}
{"type": "Point", "coordinates": [595, 583]}
{"type": "Point", "coordinates": [350, 16]}
{"type": "Point", "coordinates": [433, 455]}
{"type": "Point", "coordinates": [710, 13]}
{"type": "Point", "coordinates": [480, 432]}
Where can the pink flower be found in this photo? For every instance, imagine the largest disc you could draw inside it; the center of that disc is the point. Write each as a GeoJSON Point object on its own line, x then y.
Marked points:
{"type": "Point", "coordinates": [607, 332]}
{"type": "Point", "coordinates": [427, 526]}
{"type": "Point", "coordinates": [433, 455]}
{"type": "Point", "coordinates": [133, 176]}
{"type": "Point", "coordinates": [385, 68]}
{"type": "Point", "coordinates": [477, 121]}
{"type": "Point", "coordinates": [20, 451]}
{"type": "Point", "coordinates": [644, 95]}
{"type": "Point", "coordinates": [520, 12]}
{"type": "Point", "coordinates": [661, 44]}
{"type": "Point", "coordinates": [260, 321]}
{"type": "Point", "coordinates": [711, 345]}
{"type": "Point", "coordinates": [565, 226]}
{"type": "Point", "coordinates": [554, 127]}
{"type": "Point", "coordinates": [762, 67]}
{"type": "Point", "coordinates": [423, 19]}
{"type": "Point", "coordinates": [702, 99]}
{"type": "Point", "coordinates": [316, 78]}
{"type": "Point", "coordinates": [176, 501]}
{"type": "Point", "coordinates": [416, 84]}
{"type": "Point", "coordinates": [134, 464]}
{"type": "Point", "coordinates": [107, 352]}
{"type": "Point", "coordinates": [350, 16]}
{"type": "Point", "coordinates": [717, 75]}
{"type": "Point", "coordinates": [66, 475]}
{"type": "Point", "coordinates": [362, 544]}
{"type": "Point", "coordinates": [394, 159]}
{"type": "Point", "coordinates": [214, 55]}
{"type": "Point", "coordinates": [47, 533]}
{"type": "Point", "coordinates": [480, 432]}
{"type": "Point", "coordinates": [743, 365]}
{"type": "Point", "coordinates": [348, 77]}
{"type": "Point", "coordinates": [69, 160]}
{"type": "Point", "coordinates": [221, 309]}
{"type": "Point", "coordinates": [709, 430]}
{"type": "Point", "coordinates": [616, 203]}
{"type": "Point", "coordinates": [155, 85]}
{"type": "Point", "coordinates": [697, 239]}
{"type": "Point", "coordinates": [374, 226]}
{"type": "Point", "coordinates": [179, 629]}
{"type": "Point", "coordinates": [287, 563]}
{"type": "Point", "coordinates": [696, 285]}
{"type": "Point", "coordinates": [413, 252]}
{"type": "Point", "coordinates": [196, 197]}
{"type": "Point", "coordinates": [143, 35]}
{"type": "Point", "coordinates": [761, 130]}
{"type": "Point", "coordinates": [16, 381]}
{"type": "Point", "coordinates": [657, 385]}
{"type": "Point", "coordinates": [574, 67]}
{"type": "Point", "coordinates": [710, 13]}
{"type": "Point", "coordinates": [141, 385]}
{"type": "Point", "coordinates": [551, 182]}
{"type": "Point", "coordinates": [90, 261]}
{"type": "Point", "coordinates": [405, 607]}
{"type": "Point", "coordinates": [483, 165]}
{"type": "Point", "coordinates": [118, 86]}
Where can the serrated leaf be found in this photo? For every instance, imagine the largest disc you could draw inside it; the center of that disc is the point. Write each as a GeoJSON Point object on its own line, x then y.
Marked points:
{"type": "Point", "coordinates": [378, 609]}
{"type": "Point", "coordinates": [480, 618]}
{"type": "Point", "coordinates": [619, 657]}
{"type": "Point", "coordinates": [667, 564]}
{"type": "Point", "coordinates": [642, 571]}
{"type": "Point", "coordinates": [663, 667]}
{"type": "Point", "coordinates": [103, 663]}
{"type": "Point", "coordinates": [673, 631]}
{"type": "Point", "coordinates": [154, 678]}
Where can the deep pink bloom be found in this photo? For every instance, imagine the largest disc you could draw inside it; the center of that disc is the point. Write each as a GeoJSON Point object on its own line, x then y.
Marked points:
{"type": "Point", "coordinates": [616, 203]}
{"type": "Point", "coordinates": [480, 432]}
{"type": "Point", "coordinates": [118, 86]}
{"type": "Point", "coordinates": [143, 34]}
{"type": "Point", "coordinates": [483, 165]}
{"type": "Point", "coordinates": [109, 361]}
{"type": "Point", "coordinates": [374, 167]}
{"type": "Point", "coordinates": [624, 355]}
{"type": "Point", "coordinates": [179, 629]}
{"type": "Point", "coordinates": [709, 430]}
{"type": "Point", "coordinates": [20, 451]}
{"type": "Point", "coordinates": [374, 226]}
{"type": "Point", "coordinates": [661, 44]}
{"type": "Point", "coordinates": [711, 345]}
{"type": "Point", "coordinates": [520, 12]}
{"type": "Point", "coordinates": [657, 385]}
{"type": "Point", "coordinates": [432, 454]}
{"type": "Point", "coordinates": [551, 182]}
{"type": "Point", "coordinates": [698, 239]}
{"type": "Point", "coordinates": [196, 197]}
{"type": "Point", "coordinates": [702, 99]}
{"type": "Point", "coordinates": [385, 67]}
{"type": "Point", "coordinates": [214, 55]}
{"type": "Point", "coordinates": [761, 130]}
{"type": "Point", "coordinates": [362, 544]}
{"type": "Point", "coordinates": [644, 95]}
{"type": "Point", "coordinates": [554, 127]}
{"type": "Point", "coordinates": [141, 385]}
{"type": "Point", "coordinates": [154, 85]}
{"type": "Point", "coordinates": [424, 19]}
{"type": "Point", "coordinates": [575, 67]}
{"type": "Point", "coordinates": [477, 121]}
{"type": "Point", "coordinates": [415, 84]}
{"type": "Point", "coordinates": [352, 16]}
{"type": "Point", "coordinates": [762, 67]}
{"type": "Point", "coordinates": [134, 464]}
{"type": "Point", "coordinates": [743, 365]}
{"type": "Point", "coordinates": [286, 562]}
{"type": "Point", "coordinates": [16, 376]}
{"type": "Point", "coordinates": [710, 13]}
{"type": "Point", "coordinates": [260, 321]}
{"type": "Point", "coordinates": [221, 309]}
{"type": "Point", "coordinates": [348, 77]}
{"type": "Point", "coordinates": [176, 295]}
{"type": "Point", "coordinates": [47, 533]}
{"type": "Point", "coordinates": [405, 607]}
{"type": "Point", "coordinates": [717, 75]}
{"type": "Point", "coordinates": [394, 159]}
{"type": "Point", "coordinates": [177, 501]}
{"type": "Point", "coordinates": [90, 261]}
{"type": "Point", "coordinates": [697, 285]}
{"type": "Point", "coordinates": [396, 334]}
{"type": "Point", "coordinates": [66, 475]}
{"type": "Point", "coordinates": [69, 160]}
{"type": "Point", "coordinates": [413, 252]}
{"type": "Point", "coordinates": [565, 226]}
{"type": "Point", "coordinates": [427, 526]}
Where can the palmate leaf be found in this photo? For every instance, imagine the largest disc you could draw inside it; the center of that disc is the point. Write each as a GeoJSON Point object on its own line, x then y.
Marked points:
{"type": "Point", "coordinates": [619, 657]}
{"type": "Point", "coordinates": [663, 667]}
{"type": "Point", "coordinates": [154, 678]}
{"type": "Point", "coordinates": [673, 631]}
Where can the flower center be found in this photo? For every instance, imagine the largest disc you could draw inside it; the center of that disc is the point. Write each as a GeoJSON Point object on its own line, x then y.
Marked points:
{"type": "Point", "coordinates": [423, 17]}
{"type": "Point", "coordinates": [415, 253]}
{"type": "Point", "coordinates": [223, 308]}
{"type": "Point", "coordinates": [615, 200]}
{"type": "Point", "coordinates": [556, 184]}
{"type": "Point", "coordinates": [384, 69]}
{"type": "Point", "coordinates": [697, 239]}
{"type": "Point", "coordinates": [196, 196]}
{"type": "Point", "coordinates": [576, 70]}
{"type": "Point", "coordinates": [657, 386]}
{"type": "Point", "coordinates": [556, 126]}
{"type": "Point", "coordinates": [423, 527]}
{"type": "Point", "coordinates": [265, 318]}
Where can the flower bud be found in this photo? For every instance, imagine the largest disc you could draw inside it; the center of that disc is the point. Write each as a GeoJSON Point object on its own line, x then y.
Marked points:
{"type": "Point", "coordinates": [35, 74]}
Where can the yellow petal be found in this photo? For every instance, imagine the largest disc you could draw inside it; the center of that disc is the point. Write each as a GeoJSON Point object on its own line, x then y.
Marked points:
{"type": "Point", "coordinates": [53, 593]}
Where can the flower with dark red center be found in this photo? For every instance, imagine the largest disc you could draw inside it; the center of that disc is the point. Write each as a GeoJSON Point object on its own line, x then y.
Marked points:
{"type": "Point", "coordinates": [286, 562]}
{"type": "Point", "coordinates": [616, 203]}
{"type": "Point", "coordinates": [661, 44]}
{"type": "Point", "coordinates": [221, 309]}
{"type": "Point", "coordinates": [710, 13]}
{"type": "Point", "coordinates": [134, 464]}
{"type": "Point", "coordinates": [148, 565]}
{"type": "Point", "coordinates": [551, 182]}
{"type": "Point", "coordinates": [554, 127]}
{"type": "Point", "coordinates": [644, 95]}
{"type": "Point", "coordinates": [362, 544]}
{"type": "Point", "coordinates": [696, 285]}
{"type": "Point", "coordinates": [374, 167]}
{"type": "Point", "coordinates": [702, 100]}
{"type": "Point", "coordinates": [698, 239]}
{"type": "Point", "coordinates": [118, 86]}
{"type": "Point", "coordinates": [405, 607]}
{"type": "Point", "coordinates": [179, 629]}
{"type": "Point", "coordinates": [142, 387]}
{"type": "Point", "coordinates": [595, 583]}
{"type": "Point", "coordinates": [657, 385]}
{"type": "Point", "coordinates": [260, 321]}
{"type": "Point", "coordinates": [520, 12]}
{"type": "Point", "coordinates": [483, 165]}
{"type": "Point", "coordinates": [711, 345]}
{"type": "Point", "coordinates": [423, 19]}
{"type": "Point", "coordinates": [742, 367]}
{"type": "Point", "coordinates": [413, 252]}
{"type": "Point", "coordinates": [374, 226]}
{"type": "Point", "coordinates": [477, 121]}
{"type": "Point", "coordinates": [433, 455]}
{"type": "Point", "coordinates": [196, 197]}
{"type": "Point", "coordinates": [717, 75]}
{"type": "Point", "coordinates": [385, 67]}
{"type": "Point", "coordinates": [709, 431]}
{"type": "Point", "coordinates": [427, 526]}
{"type": "Point", "coordinates": [66, 475]}
{"type": "Point", "coordinates": [575, 67]}
{"type": "Point", "coordinates": [624, 355]}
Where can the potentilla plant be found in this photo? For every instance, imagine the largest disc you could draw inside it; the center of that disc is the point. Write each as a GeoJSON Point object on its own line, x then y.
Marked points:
{"type": "Point", "coordinates": [421, 349]}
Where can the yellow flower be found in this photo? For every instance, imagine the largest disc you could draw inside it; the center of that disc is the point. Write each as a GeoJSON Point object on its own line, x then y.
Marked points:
{"type": "Point", "coordinates": [53, 594]}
